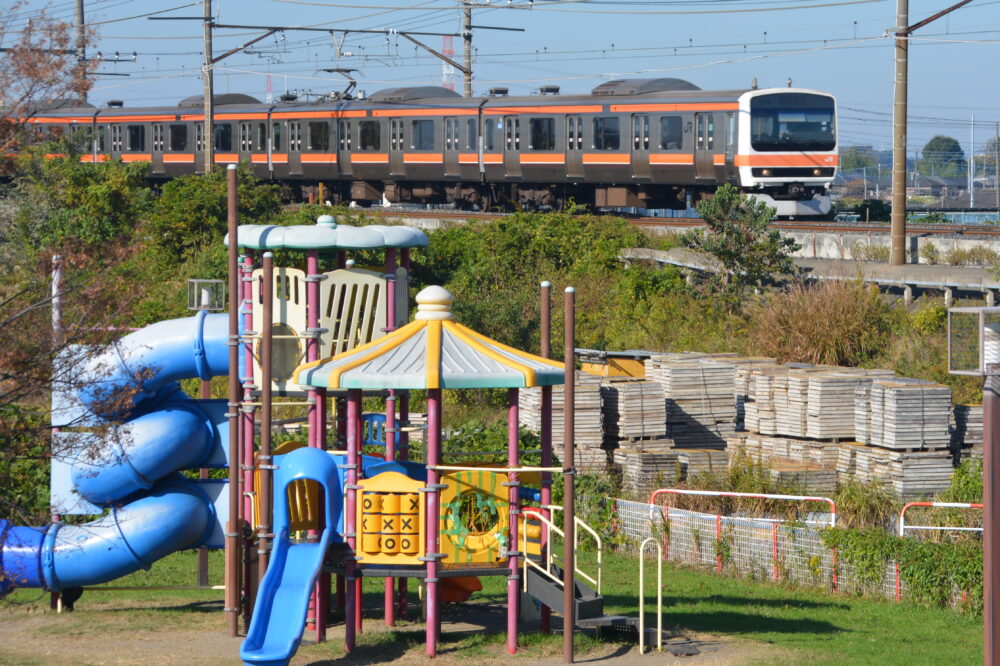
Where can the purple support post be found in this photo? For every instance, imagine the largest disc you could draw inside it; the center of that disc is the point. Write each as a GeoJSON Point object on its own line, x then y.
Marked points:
{"type": "Point", "coordinates": [246, 428]}
{"type": "Point", "coordinates": [390, 409]}
{"type": "Point", "coordinates": [341, 445]}
{"type": "Point", "coordinates": [403, 454]}
{"type": "Point", "coordinates": [264, 459]}
{"type": "Point", "coordinates": [350, 516]}
{"type": "Point", "coordinates": [545, 615]}
{"type": "Point", "coordinates": [513, 591]}
{"type": "Point", "coordinates": [314, 615]}
{"type": "Point", "coordinates": [431, 527]}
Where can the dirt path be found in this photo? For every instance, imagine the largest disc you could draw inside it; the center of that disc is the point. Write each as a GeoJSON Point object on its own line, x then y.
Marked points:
{"type": "Point", "coordinates": [162, 632]}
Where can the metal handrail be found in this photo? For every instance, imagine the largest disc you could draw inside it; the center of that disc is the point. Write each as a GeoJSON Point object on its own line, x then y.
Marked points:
{"type": "Point", "coordinates": [533, 514]}
{"type": "Point", "coordinates": [642, 595]}
{"type": "Point", "coordinates": [941, 505]}
{"type": "Point", "coordinates": [576, 542]}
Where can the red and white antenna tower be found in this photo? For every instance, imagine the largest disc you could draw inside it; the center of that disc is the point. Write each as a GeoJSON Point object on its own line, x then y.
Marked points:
{"type": "Point", "coordinates": [447, 71]}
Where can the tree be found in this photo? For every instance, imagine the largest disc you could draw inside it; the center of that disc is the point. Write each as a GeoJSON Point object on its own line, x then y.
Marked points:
{"type": "Point", "coordinates": [739, 237]}
{"type": "Point", "coordinates": [38, 70]}
{"type": "Point", "coordinates": [856, 158]}
{"type": "Point", "coordinates": [942, 156]}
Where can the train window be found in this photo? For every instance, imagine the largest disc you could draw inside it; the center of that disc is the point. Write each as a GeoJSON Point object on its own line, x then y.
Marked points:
{"type": "Point", "coordinates": [276, 136]}
{"type": "Point", "coordinates": [261, 136]}
{"type": "Point", "coordinates": [136, 137]}
{"type": "Point", "coordinates": [607, 133]}
{"type": "Point", "coordinates": [223, 136]}
{"type": "Point", "coordinates": [671, 132]}
{"type": "Point", "coordinates": [101, 139]}
{"type": "Point", "coordinates": [157, 138]}
{"type": "Point", "coordinates": [710, 132]}
{"type": "Point", "coordinates": [470, 134]}
{"type": "Point", "coordinates": [199, 136]}
{"type": "Point", "coordinates": [640, 132]}
{"type": "Point", "coordinates": [371, 135]}
{"type": "Point", "coordinates": [488, 131]}
{"type": "Point", "coordinates": [295, 136]}
{"type": "Point", "coordinates": [543, 133]}
{"type": "Point", "coordinates": [178, 137]}
{"type": "Point", "coordinates": [450, 134]}
{"type": "Point", "coordinates": [319, 136]}
{"type": "Point", "coordinates": [731, 132]}
{"type": "Point", "coordinates": [422, 135]}
{"type": "Point", "coordinates": [116, 138]}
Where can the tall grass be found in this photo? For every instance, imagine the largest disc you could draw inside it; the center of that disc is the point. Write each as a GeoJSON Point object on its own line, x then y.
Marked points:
{"type": "Point", "coordinates": [838, 323]}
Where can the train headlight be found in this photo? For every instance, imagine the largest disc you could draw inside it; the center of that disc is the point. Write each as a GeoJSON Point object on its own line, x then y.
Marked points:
{"type": "Point", "coordinates": [817, 172]}
{"type": "Point", "coordinates": [765, 172]}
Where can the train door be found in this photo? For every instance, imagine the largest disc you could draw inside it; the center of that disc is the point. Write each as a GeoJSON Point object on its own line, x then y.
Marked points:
{"type": "Point", "coordinates": [246, 142]}
{"type": "Point", "coordinates": [640, 147]}
{"type": "Point", "coordinates": [156, 155]}
{"type": "Point", "coordinates": [704, 146]}
{"type": "Point", "coordinates": [396, 148]}
{"type": "Point", "coordinates": [452, 143]}
{"type": "Point", "coordinates": [574, 147]}
{"type": "Point", "coordinates": [344, 148]}
{"type": "Point", "coordinates": [294, 148]}
{"type": "Point", "coordinates": [512, 146]}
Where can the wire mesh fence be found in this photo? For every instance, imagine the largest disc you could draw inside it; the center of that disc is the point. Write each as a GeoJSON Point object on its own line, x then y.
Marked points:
{"type": "Point", "coordinates": [758, 548]}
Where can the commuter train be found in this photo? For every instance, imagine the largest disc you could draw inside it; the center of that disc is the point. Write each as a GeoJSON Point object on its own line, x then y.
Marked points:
{"type": "Point", "coordinates": [650, 143]}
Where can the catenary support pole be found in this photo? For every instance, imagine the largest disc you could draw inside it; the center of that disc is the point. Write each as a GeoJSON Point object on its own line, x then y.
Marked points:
{"type": "Point", "coordinates": [991, 517]}
{"type": "Point", "coordinates": [232, 525]}
{"type": "Point", "coordinates": [208, 138]}
{"type": "Point", "coordinates": [545, 613]}
{"type": "Point", "coordinates": [467, 49]}
{"type": "Point", "coordinates": [898, 216]}
{"type": "Point", "coordinates": [569, 475]}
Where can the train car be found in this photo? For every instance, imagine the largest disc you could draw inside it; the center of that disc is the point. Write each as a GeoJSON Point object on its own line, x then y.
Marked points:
{"type": "Point", "coordinates": [651, 143]}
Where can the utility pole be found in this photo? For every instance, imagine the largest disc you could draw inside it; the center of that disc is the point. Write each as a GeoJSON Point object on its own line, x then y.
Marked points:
{"type": "Point", "coordinates": [972, 162]}
{"type": "Point", "coordinates": [996, 161]}
{"type": "Point", "coordinates": [208, 134]}
{"type": "Point", "coordinates": [467, 42]}
{"type": "Point", "coordinates": [897, 256]}
{"type": "Point", "coordinates": [81, 51]}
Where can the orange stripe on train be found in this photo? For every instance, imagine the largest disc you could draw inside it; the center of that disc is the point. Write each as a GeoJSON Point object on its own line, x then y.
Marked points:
{"type": "Point", "coordinates": [798, 160]}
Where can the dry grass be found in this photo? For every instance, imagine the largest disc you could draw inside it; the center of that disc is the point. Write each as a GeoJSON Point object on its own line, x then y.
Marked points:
{"type": "Point", "coordinates": [837, 323]}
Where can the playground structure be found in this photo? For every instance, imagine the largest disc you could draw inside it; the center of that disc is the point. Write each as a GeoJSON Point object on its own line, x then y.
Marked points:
{"type": "Point", "coordinates": [292, 517]}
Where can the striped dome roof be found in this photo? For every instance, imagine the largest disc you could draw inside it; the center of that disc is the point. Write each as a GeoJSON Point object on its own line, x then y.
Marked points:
{"type": "Point", "coordinates": [432, 351]}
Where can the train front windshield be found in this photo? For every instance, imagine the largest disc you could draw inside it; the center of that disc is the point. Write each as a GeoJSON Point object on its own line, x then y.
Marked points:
{"type": "Point", "coordinates": [792, 121]}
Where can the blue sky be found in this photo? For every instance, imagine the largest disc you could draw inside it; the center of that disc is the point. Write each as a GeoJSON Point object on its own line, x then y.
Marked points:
{"type": "Point", "coordinates": [838, 47]}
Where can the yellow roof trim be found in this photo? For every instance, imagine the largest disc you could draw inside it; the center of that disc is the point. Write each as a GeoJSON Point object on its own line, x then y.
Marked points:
{"type": "Point", "coordinates": [461, 332]}
{"type": "Point", "coordinates": [433, 357]}
{"type": "Point", "coordinates": [482, 338]}
{"type": "Point", "coordinates": [361, 348]}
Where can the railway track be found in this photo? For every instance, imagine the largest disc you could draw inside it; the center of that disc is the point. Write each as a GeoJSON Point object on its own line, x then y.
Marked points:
{"type": "Point", "coordinates": [977, 230]}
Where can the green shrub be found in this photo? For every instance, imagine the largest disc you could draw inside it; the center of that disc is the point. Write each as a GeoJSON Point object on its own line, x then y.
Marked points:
{"type": "Point", "coordinates": [931, 319]}
{"type": "Point", "coordinates": [865, 504]}
{"type": "Point", "coordinates": [930, 253]}
{"type": "Point", "coordinates": [869, 252]}
{"type": "Point", "coordinates": [978, 255]}
{"type": "Point", "coordinates": [192, 210]}
{"type": "Point", "coordinates": [834, 322]}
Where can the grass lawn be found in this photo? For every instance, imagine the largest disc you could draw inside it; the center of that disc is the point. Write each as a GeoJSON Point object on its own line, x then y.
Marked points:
{"type": "Point", "coordinates": [802, 626]}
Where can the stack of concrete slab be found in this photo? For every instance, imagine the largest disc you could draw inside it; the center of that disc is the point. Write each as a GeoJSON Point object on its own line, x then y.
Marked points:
{"type": "Point", "coordinates": [913, 475]}
{"type": "Point", "coordinates": [909, 414]}
{"type": "Point", "coordinates": [588, 426]}
{"type": "Point", "coordinates": [803, 477]}
{"type": "Point", "coordinates": [699, 393]}
{"type": "Point", "coordinates": [766, 448]}
{"type": "Point", "coordinates": [744, 367]}
{"type": "Point", "coordinates": [699, 462]}
{"type": "Point", "coordinates": [647, 465]}
{"type": "Point", "coordinates": [633, 409]}
{"type": "Point", "coordinates": [968, 430]}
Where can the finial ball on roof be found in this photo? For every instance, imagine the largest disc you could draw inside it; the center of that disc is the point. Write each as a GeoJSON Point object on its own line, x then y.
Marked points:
{"type": "Point", "coordinates": [326, 220]}
{"type": "Point", "coordinates": [434, 303]}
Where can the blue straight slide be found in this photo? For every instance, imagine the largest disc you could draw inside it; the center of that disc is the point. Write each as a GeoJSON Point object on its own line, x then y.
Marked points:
{"type": "Point", "coordinates": [279, 613]}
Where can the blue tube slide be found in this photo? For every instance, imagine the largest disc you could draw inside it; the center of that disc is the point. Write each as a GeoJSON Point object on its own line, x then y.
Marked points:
{"type": "Point", "coordinates": [279, 612]}
{"type": "Point", "coordinates": [154, 511]}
